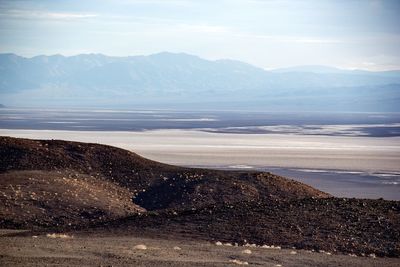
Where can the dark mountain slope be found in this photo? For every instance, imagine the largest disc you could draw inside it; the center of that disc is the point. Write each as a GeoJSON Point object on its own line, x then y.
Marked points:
{"type": "Point", "coordinates": [60, 198]}
{"type": "Point", "coordinates": [60, 185]}
{"type": "Point", "coordinates": [150, 184]}
{"type": "Point", "coordinates": [357, 226]}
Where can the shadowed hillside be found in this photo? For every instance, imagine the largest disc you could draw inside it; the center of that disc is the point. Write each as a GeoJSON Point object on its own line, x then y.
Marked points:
{"type": "Point", "coordinates": [359, 226]}
{"type": "Point", "coordinates": [50, 185]}
{"type": "Point", "coordinates": [90, 172]}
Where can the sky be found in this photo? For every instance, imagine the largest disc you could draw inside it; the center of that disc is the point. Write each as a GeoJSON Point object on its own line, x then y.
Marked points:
{"type": "Point", "coordinates": [351, 34]}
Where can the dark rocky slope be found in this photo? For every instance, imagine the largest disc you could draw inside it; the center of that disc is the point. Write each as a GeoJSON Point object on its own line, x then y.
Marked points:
{"type": "Point", "coordinates": [354, 226]}
{"type": "Point", "coordinates": [77, 186]}
{"type": "Point", "coordinates": [60, 198]}
{"type": "Point", "coordinates": [60, 169]}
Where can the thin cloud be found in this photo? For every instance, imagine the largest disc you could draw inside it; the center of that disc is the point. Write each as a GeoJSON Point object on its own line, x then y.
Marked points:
{"type": "Point", "coordinates": [69, 16]}
{"type": "Point", "coordinates": [36, 14]}
{"type": "Point", "coordinates": [202, 28]}
{"type": "Point", "coordinates": [290, 39]}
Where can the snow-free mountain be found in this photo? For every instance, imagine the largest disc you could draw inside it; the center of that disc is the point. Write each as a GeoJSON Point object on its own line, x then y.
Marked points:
{"type": "Point", "coordinates": [167, 80]}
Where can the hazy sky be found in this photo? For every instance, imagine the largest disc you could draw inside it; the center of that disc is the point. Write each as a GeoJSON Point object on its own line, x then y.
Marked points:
{"type": "Point", "coordinates": [350, 34]}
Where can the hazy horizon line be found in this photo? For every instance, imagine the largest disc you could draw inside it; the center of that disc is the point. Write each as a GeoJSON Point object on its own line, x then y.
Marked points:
{"type": "Point", "coordinates": [203, 58]}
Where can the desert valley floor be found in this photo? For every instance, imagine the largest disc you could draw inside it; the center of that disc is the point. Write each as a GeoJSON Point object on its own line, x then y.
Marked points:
{"type": "Point", "coordinates": [345, 166]}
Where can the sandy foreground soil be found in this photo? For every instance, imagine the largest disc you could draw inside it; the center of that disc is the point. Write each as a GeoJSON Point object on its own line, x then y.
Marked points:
{"type": "Point", "coordinates": [190, 147]}
{"type": "Point", "coordinates": [97, 249]}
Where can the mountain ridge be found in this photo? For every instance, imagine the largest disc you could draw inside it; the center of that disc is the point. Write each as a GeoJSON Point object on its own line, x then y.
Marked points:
{"type": "Point", "coordinates": [176, 79]}
{"type": "Point", "coordinates": [295, 68]}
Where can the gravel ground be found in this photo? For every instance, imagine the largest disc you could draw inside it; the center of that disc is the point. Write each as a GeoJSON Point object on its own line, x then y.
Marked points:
{"type": "Point", "coordinates": [105, 250]}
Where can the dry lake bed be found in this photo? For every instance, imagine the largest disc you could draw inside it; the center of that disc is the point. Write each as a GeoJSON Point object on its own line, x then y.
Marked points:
{"type": "Point", "coordinates": [348, 166]}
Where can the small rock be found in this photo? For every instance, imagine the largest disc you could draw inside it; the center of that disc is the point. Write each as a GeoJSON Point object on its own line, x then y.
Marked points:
{"type": "Point", "coordinates": [140, 247]}
{"type": "Point", "coordinates": [246, 251]}
{"type": "Point", "coordinates": [239, 262]}
{"type": "Point", "coordinates": [62, 236]}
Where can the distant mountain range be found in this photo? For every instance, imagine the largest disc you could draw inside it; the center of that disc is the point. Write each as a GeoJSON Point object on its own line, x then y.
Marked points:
{"type": "Point", "coordinates": [169, 80]}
